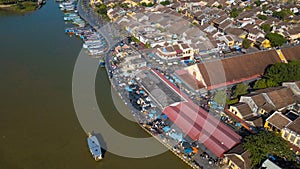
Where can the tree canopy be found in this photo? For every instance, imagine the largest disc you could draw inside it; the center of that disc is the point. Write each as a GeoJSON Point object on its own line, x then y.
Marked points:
{"type": "Point", "coordinates": [220, 97]}
{"type": "Point", "coordinates": [266, 27]}
{"type": "Point", "coordinates": [164, 3]}
{"type": "Point", "coordinates": [282, 14]}
{"type": "Point", "coordinates": [246, 43]}
{"type": "Point", "coordinates": [240, 89]}
{"type": "Point", "coordinates": [265, 143]}
{"type": "Point", "coordinates": [102, 9]}
{"type": "Point", "coordinates": [234, 13]}
{"type": "Point", "coordinates": [278, 73]}
{"type": "Point", "coordinates": [262, 17]}
{"type": "Point", "coordinates": [276, 39]}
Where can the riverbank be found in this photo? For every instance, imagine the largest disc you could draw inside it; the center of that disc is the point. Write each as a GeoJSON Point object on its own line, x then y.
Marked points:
{"type": "Point", "coordinates": [21, 7]}
{"type": "Point", "coordinates": [140, 118]}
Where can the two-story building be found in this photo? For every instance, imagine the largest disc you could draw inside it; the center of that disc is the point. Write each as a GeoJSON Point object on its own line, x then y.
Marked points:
{"type": "Point", "coordinates": [291, 133]}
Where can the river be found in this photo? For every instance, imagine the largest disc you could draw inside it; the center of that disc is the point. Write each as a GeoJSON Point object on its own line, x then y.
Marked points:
{"type": "Point", "coordinates": [39, 128]}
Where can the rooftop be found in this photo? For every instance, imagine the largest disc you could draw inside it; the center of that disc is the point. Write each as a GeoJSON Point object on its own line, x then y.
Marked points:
{"type": "Point", "coordinates": [278, 120]}
{"type": "Point", "coordinates": [291, 53]}
{"type": "Point", "coordinates": [295, 126]}
{"type": "Point", "coordinates": [158, 89]}
{"type": "Point", "coordinates": [237, 69]}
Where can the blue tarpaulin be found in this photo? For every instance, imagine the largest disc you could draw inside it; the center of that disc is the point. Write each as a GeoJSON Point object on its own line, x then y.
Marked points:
{"type": "Point", "coordinates": [176, 136]}
{"type": "Point", "coordinates": [166, 129]}
{"type": "Point", "coordinates": [164, 116]}
{"type": "Point", "coordinates": [153, 111]}
{"type": "Point", "coordinates": [188, 150]}
{"type": "Point", "coordinates": [128, 89]}
{"type": "Point", "coordinates": [151, 115]}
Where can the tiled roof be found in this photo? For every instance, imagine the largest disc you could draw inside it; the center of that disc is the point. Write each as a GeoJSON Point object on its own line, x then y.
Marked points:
{"type": "Point", "coordinates": [237, 69]}
{"type": "Point", "coordinates": [295, 126]}
{"type": "Point", "coordinates": [281, 98]}
{"type": "Point", "coordinates": [244, 109]}
{"type": "Point", "coordinates": [291, 53]}
{"type": "Point", "coordinates": [238, 150]}
{"type": "Point", "coordinates": [278, 120]}
{"type": "Point", "coordinates": [189, 79]}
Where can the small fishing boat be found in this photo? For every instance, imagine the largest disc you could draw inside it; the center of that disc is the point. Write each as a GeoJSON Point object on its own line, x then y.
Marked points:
{"type": "Point", "coordinates": [94, 147]}
{"type": "Point", "coordinates": [101, 63]}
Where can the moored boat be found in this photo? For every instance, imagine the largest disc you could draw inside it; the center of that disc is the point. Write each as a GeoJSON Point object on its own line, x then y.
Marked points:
{"type": "Point", "coordinates": [94, 147]}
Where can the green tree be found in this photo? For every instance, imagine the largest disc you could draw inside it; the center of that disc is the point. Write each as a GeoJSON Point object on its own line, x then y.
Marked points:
{"type": "Point", "coordinates": [266, 27]}
{"type": "Point", "coordinates": [282, 14]}
{"type": "Point", "coordinates": [257, 3]}
{"type": "Point", "coordinates": [278, 73]}
{"type": "Point", "coordinates": [262, 17]}
{"type": "Point", "coordinates": [282, 72]}
{"type": "Point", "coordinates": [234, 13]}
{"type": "Point", "coordinates": [276, 39]}
{"type": "Point", "coordinates": [265, 143]}
{"type": "Point", "coordinates": [164, 3]}
{"type": "Point", "coordinates": [240, 89]}
{"type": "Point", "coordinates": [220, 97]}
{"type": "Point", "coordinates": [102, 9]}
{"type": "Point", "coordinates": [264, 7]}
{"type": "Point", "coordinates": [260, 84]}
{"type": "Point", "coordinates": [246, 43]}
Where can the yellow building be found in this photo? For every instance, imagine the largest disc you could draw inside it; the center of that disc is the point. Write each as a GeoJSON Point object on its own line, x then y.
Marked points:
{"type": "Point", "coordinates": [237, 158]}
{"type": "Point", "coordinates": [263, 43]}
{"type": "Point", "coordinates": [241, 110]}
{"type": "Point", "coordinates": [291, 133]}
{"type": "Point", "coordinates": [276, 122]}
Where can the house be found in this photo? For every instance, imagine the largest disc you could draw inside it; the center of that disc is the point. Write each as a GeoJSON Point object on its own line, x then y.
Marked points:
{"type": "Point", "coordinates": [267, 164]}
{"type": "Point", "coordinates": [276, 122]}
{"type": "Point", "coordinates": [244, 112]}
{"type": "Point", "coordinates": [294, 34]}
{"type": "Point", "coordinates": [254, 34]}
{"type": "Point", "coordinates": [268, 100]}
{"type": "Point", "coordinates": [294, 86]}
{"type": "Point", "coordinates": [181, 51]}
{"type": "Point", "coordinates": [115, 13]}
{"type": "Point", "coordinates": [226, 24]}
{"type": "Point", "coordinates": [227, 39]}
{"type": "Point", "coordinates": [262, 43]}
{"type": "Point", "coordinates": [217, 22]}
{"type": "Point", "coordinates": [291, 133]}
{"type": "Point", "coordinates": [237, 158]}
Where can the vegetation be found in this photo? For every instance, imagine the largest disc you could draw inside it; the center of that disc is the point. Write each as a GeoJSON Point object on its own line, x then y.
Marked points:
{"type": "Point", "coordinates": [240, 89]}
{"type": "Point", "coordinates": [246, 43]}
{"type": "Point", "coordinates": [147, 5]}
{"type": "Point", "coordinates": [235, 12]}
{"type": "Point", "coordinates": [276, 39]}
{"type": "Point", "coordinates": [282, 14]}
{"type": "Point", "coordinates": [220, 97]}
{"type": "Point", "coordinates": [164, 3]}
{"type": "Point", "coordinates": [278, 73]}
{"type": "Point", "coordinates": [261, 145]}
{"type": "Point", "coordinates": [264, 7]}
{"type": "Point", "coordinates": [20, 6]}
{"type": "Point", "coordinates": [262, 17]}
{"type": "Point", "coordinates": [122, 5]}
{"type": "Point", "coordinates": [257, 2]}
{"type": "Point", "coordinates": [102, 10]}
{"type": "Point", "coordinates": [266, 27]}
